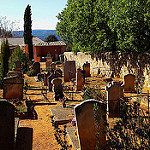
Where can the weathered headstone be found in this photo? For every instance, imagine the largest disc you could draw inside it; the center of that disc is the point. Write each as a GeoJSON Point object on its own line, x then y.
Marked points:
{"type": "Point", "coordinates": [79, 79]}
{"type": "Point", "coordinates": [13, 88]}
{"type": "Point", "coordinates": [15, 73]}
{"type": "Point", "coordinates": [46, 78]}
{"type": "Point", "coordinates": [50, 78]}
{"type": "Point", "coordinates": [129, 83]}
{"type": "Point", "coordinates": [90, 117]}
{"type": "Point", "coordinates": [86, 67]}
{"type": "Point", "coordinates": [7, 127]}
{"type": "Point", "coordinates": [58, 88]}
{"type": "Point", "coordinates": [69, 69]}
{"type": "Point", "coordinates": [18, 66]}
{"type": "Point", "coordinates": [36, 68]}
{"type": "Point", "coordinates": [114, 93]}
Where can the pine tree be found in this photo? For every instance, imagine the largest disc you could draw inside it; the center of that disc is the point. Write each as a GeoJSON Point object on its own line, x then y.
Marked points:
{"type": "Point", "coordinates": [28, 31]}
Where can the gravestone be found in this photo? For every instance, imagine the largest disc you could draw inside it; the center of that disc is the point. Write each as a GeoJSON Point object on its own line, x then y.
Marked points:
{"type": "Point", "coordinates": [58, 73]}
{"type": "Point", "coordinates": [79, 80]}
{"type": "Point", "coordinates": [129, 83]}
{"type": "Point", "coordinates": [52, 66]}
{"type": "Point", "coordinates": [69, 70]}
{"type": "Point", "coordinates": [13, 88]}
{"type": "Point", "coordinates": [7, 125]}
{"type": "Point", "coordinates": [15, 73]}
{"type": "Point", "coordinates": [90, 116]}
{"type": "Point", "coordinates": [58, 88]}
{"type": "Point", "coordinates": [36, 68]}
{"type": "Point", "coordinates": [114, 93]}
{"type": "Point", "coordinates": [18, 66]}
{"type": "Point", "coordinates": [50, 78]}
{"type": "Point", "coordinates": [86, 67]}
{"type": "Point", "coordinates": [46, 78]}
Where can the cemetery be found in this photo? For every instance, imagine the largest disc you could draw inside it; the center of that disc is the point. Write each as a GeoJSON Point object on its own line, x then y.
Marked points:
{"type": "Point", "coordinates": [69, 106]}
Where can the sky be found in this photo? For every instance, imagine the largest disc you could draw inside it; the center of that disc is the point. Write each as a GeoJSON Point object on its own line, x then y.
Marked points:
{"type": "Point", "coordinates": [44, 12]}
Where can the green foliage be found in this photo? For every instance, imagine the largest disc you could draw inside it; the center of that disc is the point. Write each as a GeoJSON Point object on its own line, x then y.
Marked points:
{"type": "Point", "coordinates": [51, 38]}
{"type": "Point", "coordinates": [28, 31]}
{"type": "Point", "coordinates": [5, 53]}
{"type": "Point", "coordinates": [30, 73]}
{"type": "Point", "coordinates": [19, 55]}
{"type": "Point", "coordinates": [102, 25]}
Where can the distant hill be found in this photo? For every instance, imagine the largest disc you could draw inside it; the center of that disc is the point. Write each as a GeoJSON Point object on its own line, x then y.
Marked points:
{"type": "Point", "coordinates": [41, 34]}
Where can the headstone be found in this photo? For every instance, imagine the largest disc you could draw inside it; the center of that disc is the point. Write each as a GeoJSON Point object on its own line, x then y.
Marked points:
{"type": "Point", "coordinates": [129, 83]}
{"type": "Point", "coordinates": [36, 68]}
{"type": "Point", "coordinates": [15, 73]}
{"type": "Point", "coordinates": [52, 66]}
{"type": "Point", "coordinates": [79, 80]}
{"type": "Point", "coordinates": [69, 70]}
{"type": "Point", "coordinates": [46, 78]}
{"type": "Point", "coordinates": [50, 78]}
{"type": "Point", "coordinates": [86, 67]}
{"type": "Point", "coordinates": [58, 73]}
{"type": "Point", "coordinates": [7, 127]}
{"type": "Point", "coordinates": [18, 66]}
{"type": "Point", "coordinates": [90, 116]}
{"type": "Point", "coordinates": [114, 93]}
{"type": "Point", "coordinates": [58, 88]}
{"type": "Point", "coordinates": [13, 88]}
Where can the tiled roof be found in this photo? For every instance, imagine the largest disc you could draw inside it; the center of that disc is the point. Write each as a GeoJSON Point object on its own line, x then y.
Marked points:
{"type": "Point", "coordinates": [57, 43]}
{"type": "Point", "coordinates": [20, 41]}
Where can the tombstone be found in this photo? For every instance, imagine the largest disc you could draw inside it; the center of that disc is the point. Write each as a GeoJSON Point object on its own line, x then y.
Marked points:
{"type": "Point", "coordinates": [36, 68]}
{"type": "Point", "coordinates": [129, 83]}
{"type": "Point", "coordinates": [13, 88]}
{"type": "Point", "coordinates": [7, 125]}
{"type": "Point", "coordinates": [86, 67]}
{"type": "Point", "coordinates": [58, 88]}
{"type": "Point", "coordinates": [69, 70]}
{"type": "Point", "coordinates": [79, 80]}
{"type": "Point", "coordinates": [18, 66]}
{"type": "Point", "coordinates": [90, 116]}
{"type": "Point", "coordinates": [50, 78]}
{"type": "Point", "coordinates": [46, 78]}
{"type": "Point", "coordinates": [15, 73]}
{"type": "Point", "coordinates": [58, 73]}
{"type": "Point", "coordinates": [40, 76]}
{"type": "Point", "coordinates": [52, 67]}
{"type": "Point", "coordinates": [114, 93]}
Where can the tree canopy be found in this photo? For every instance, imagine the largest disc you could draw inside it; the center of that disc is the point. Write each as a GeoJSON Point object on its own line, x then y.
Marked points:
{"type": "Point", "coordinates": [51, 38]}
{"type": "Point", "coordinates": [28, 31]}
{"type": "Point", "coordinates": [105, 25]}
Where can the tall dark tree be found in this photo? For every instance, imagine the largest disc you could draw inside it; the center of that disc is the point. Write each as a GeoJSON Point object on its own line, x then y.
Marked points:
{"type": "Point", "coordinates": [5, 53]}
{"type": "Point", "coordinates": [28, 31]}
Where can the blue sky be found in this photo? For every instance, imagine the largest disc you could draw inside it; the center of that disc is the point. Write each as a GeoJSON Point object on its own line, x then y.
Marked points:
{"type": "Point", "coordinates": [44, 12]}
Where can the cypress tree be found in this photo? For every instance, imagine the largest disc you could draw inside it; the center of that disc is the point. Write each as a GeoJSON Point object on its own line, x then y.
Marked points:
{"type": "Point", "coordinates": [28, 31]}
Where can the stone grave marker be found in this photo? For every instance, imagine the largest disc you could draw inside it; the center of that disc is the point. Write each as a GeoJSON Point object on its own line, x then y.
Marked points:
{"type": "Point", "coordinates": [69, 69]}
{"type": "Point", "coordinates": [46, 78]}
{"type": "Point", "coordinates": [79, 79]}
{"type": "Point", "coordinates": [18, 66]}
{"type": "Point", "coordinates": [50, 78]}
{"type": "Point", "coordinates": [129, 83]}
{"type": "Point", "coordinates": [58, 88]}
{"type": "Point", "coordinates": [13, 88]}
{"type": "Point", "coordinates": [7, 125]}
{"type": "Point", "coordinates": [36, 67]}
{"type": "Point", "coordinates": [15, 73]}
{"type": "Point", "coordinates": [90, 116]}
{"type": "Point", "coordinates": [86, 67]}
{"type": "Point", "coordinates": [114, 93]}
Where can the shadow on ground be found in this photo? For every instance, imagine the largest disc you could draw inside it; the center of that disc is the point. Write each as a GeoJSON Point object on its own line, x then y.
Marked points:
{"type": "Point", "coordinates": [24, 138]}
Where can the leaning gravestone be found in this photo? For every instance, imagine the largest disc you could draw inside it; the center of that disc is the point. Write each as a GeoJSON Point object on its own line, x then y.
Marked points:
{"type": "Point", "coordinates": [7, 126]}
{"type": "Point", "coordinates": [90, 117]}
{"type": "Point", "coordinates": [58, 88]}
{"type": "Point", "coordinates": [36, 68]}
{"type": "Point", "coordinates": [86, 67]}
{"type": "Point", "coordinates": [129, 83]}
{"type": "Point", "coordinates": [13, 88]}
{"type": "Point", "coordinates": [18, 66]}
{"type": "Point", "coordinates": [69, 69]}
{"type": "Point", "coordinates": [79, 80]}
{"type": "Point", "coordinates": [114, 93]}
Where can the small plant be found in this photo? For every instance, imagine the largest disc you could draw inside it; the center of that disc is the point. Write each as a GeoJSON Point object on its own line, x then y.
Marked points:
{"type": "Point", "coordinates": [30, 73]}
